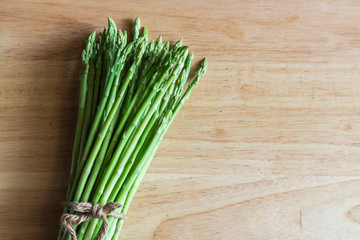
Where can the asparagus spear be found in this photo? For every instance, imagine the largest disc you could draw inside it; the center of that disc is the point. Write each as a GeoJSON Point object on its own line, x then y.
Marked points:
{"type": "Point", "coordinates": [99, 47]}
{"type": "Point", "coordinates": [86, 54]}
{"type": "Point", "coordinates": [89, 99]}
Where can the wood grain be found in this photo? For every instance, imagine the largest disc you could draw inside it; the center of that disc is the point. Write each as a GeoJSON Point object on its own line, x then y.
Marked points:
{"type": "Point", "coordinates": [267, 147]}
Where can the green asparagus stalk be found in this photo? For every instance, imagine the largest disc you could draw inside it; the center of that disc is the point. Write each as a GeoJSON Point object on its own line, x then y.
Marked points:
{"type": "Point", "coordinates": [99, 47]}
{"type": "Point", "coordinates": [89, 99]}
{"type": "Point", "coordinates": [82, 100]}
{"type": "Point", "coordinates": [86, 56]}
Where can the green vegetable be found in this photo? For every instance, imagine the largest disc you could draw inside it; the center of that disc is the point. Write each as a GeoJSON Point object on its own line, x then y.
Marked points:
{"type": "Point", "coordinates": [129, 95]}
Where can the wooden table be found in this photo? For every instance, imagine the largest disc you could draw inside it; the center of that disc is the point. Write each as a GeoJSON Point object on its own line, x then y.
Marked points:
{"type": "Point", "coordinates": [267, 147]}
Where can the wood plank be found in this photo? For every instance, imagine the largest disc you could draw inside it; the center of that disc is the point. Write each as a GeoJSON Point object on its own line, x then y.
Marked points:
{"type": "Point", "coordinates": [267, 147]}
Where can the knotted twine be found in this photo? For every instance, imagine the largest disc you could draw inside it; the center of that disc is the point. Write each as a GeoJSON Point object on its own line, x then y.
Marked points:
{"type": "Point", "coordinates": [89, 211]}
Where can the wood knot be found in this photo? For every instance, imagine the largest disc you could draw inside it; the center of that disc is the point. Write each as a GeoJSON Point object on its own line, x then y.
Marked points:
{"type": "Point", "coordinates": [354, 214]}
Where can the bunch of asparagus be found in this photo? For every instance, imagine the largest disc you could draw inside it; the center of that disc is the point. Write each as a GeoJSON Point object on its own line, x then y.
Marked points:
{"type": "Point", "coordinates": [129, 95]}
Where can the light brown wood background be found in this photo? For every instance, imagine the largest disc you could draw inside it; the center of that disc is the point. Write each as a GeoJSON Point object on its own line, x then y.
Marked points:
{"type": "Point", "coordinates": [267, 147]}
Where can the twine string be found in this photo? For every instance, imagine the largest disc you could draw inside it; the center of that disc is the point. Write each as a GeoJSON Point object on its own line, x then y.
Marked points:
{"type": "Point", "coordinates": [89, 211]}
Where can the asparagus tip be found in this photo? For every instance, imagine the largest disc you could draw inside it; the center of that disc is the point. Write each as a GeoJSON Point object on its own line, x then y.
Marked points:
{"type": "Point", "coordinates": [111, 23]}
{"type": "Point", "coordinates": [145, 32]}
{"type": "Point", "coordinates": [203, 67]}
{"type": "Point", "coordinates": [137, 20]}
{"type": "Point", "coordinates": [159, 40]}
{"type": "Point", "coordinates": [137, 23]}
{"type": "Point", "coordinates": [86, 54]}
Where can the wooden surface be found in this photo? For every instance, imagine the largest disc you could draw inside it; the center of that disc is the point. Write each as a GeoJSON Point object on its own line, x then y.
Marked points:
{"type": "Point", "coordinates": [267, 147]}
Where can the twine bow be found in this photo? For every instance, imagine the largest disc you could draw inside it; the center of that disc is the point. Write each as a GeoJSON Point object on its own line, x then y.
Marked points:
{"type": "Point", "coordinates": [89, 211]}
